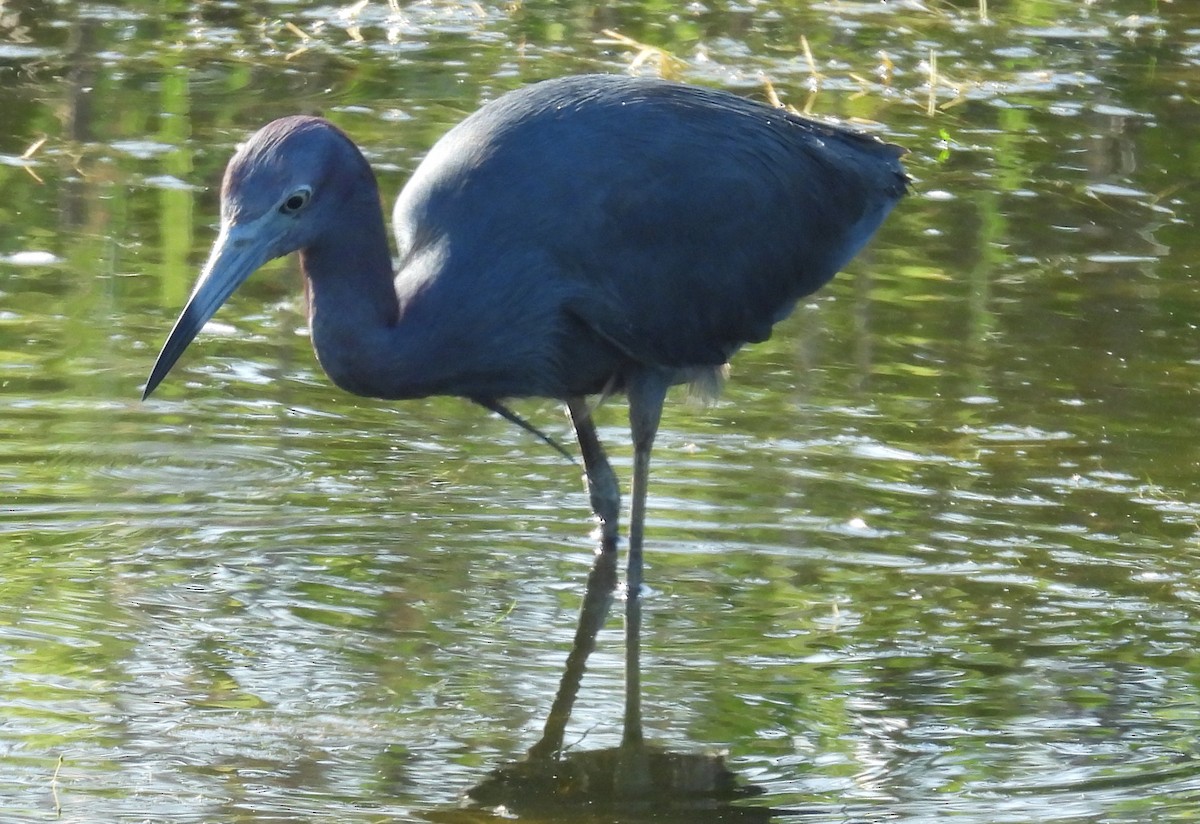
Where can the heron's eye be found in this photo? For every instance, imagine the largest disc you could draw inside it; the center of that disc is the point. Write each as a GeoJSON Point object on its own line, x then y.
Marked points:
{"type": "Point", "coordinates": [296, 201]}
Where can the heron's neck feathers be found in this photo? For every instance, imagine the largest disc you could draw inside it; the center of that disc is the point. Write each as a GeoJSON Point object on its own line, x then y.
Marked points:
{"type": "Point", "coordinates": [352, 305]}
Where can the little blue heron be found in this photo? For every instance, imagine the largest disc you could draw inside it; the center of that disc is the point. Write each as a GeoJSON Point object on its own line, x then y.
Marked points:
{"type": "Point", "coordinates": [581, 236]}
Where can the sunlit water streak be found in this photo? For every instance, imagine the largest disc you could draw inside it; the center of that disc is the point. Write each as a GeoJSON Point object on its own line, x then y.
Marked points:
{"type": "Point", "coordinates": [932, 556]}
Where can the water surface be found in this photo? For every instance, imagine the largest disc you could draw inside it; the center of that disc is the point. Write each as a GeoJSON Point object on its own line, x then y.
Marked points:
{"type": "Point", "coordinates": [932, 556]}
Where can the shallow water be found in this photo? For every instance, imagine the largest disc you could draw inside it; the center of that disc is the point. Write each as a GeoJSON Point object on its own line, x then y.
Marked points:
{"type": "Point", "coordinates": [932, 556]}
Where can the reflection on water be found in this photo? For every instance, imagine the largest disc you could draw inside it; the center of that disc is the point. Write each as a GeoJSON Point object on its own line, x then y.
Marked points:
{"type": "Point", "coordinates": [933, 555]}
{"type": "Point", "coordinates": [632, 776]}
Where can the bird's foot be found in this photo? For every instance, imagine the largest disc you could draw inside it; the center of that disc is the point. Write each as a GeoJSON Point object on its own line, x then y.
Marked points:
{"type": "Point", "coordinates": [605, 498]}
{"type": "Point", "coordinates": [606, 535]}
{"type": "Point", "coordinates": [599, 479]}
{"type": "Point", "coordinates": [607, 519]}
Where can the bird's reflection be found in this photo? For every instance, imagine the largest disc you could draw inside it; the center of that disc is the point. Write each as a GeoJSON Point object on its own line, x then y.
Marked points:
{"type": "Point", "coordinates": [642, 779]}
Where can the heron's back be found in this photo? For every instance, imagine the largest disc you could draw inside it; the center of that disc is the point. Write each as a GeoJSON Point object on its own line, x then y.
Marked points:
{"type": "Point", "coordinates": [675, 223]}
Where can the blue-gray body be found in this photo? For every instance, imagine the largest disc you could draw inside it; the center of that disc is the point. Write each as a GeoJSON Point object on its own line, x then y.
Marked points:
{"type": "Point", "coordinates": [580, 229]}
{"type": "Point", "coordinates": [549, 244]}
{"type": "Point", "coordinates": [570, 232]}
{"type": "Point", "coordinates": [586, 235]}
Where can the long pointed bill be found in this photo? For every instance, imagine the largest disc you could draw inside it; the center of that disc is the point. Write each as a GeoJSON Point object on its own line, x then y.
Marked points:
{"type": "Point", "coordinates": [236, 253]}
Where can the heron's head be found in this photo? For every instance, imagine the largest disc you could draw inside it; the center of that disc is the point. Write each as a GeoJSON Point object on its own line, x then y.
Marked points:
{"type": "Point", "coordinates": [285, 187]}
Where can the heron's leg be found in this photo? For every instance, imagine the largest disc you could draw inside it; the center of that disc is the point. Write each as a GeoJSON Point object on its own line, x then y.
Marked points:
{"type": "Point", "coordinates": [646, 394]}
{"type": "Point", "coordinates": [647, 391]}
{"type": "Point", "coordinates": [601, 481]}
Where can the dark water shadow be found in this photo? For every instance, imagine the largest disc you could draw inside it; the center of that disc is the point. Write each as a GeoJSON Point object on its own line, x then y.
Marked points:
{"type": "Point", "coordinates": [635, 781]}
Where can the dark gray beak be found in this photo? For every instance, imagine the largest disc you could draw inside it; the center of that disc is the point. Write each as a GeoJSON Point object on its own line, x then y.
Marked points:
{"type": "Point", "coordinates": [237, 252]}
